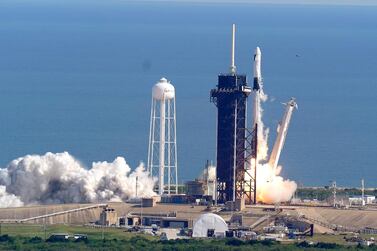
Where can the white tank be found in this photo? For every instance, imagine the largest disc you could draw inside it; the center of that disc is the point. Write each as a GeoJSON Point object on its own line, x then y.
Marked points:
{"type": "Point", "coordinates": [163, 90]}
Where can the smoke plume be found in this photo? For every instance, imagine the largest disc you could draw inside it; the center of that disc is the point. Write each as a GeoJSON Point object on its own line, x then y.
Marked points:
{"type": "Point", "coordinates": [271, 188]}
{"type": "Point", "coordinates": [60, 178]}
{"type": "Point", "coordinates": [208, 173]}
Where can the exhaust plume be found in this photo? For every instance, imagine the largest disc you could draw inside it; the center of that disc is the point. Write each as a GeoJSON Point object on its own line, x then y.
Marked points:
{"type": "Point", "coordinates": [60, 178]}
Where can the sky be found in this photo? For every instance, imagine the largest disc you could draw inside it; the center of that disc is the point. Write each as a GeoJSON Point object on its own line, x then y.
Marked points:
{"type": "Point", "coordinates": [294, 2]}
{"type": "Point", "coordinates": [314, 2]}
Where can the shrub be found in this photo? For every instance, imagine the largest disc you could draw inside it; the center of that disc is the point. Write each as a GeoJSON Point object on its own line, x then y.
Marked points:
{"type": "Point", "coordinates": [326, 245]}
{"type": "Point", "coordinates": [252, 242]}
{"type": "Point", "coordinates": [84, 240]}
{"type": "Point", "coordinates": [54, 238]}
{"type": "Point", "coordinates": [267, 242]}
{"type": "Point", "coordinates": [303, 244]}
{"type": "Point", "coordinates": [234, 242]}
{"type": "Point", "coordinates": [6, 238]}
{"type": "Point", "coordinates": [35, 239]}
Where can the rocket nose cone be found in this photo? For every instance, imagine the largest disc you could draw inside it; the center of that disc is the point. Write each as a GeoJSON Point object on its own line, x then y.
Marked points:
{"type": "Point", "coordinates": [257, 51]}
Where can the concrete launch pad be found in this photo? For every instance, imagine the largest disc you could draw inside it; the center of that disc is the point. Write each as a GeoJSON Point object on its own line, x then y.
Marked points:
{"type": "Point", "coordinates": [325, 219]}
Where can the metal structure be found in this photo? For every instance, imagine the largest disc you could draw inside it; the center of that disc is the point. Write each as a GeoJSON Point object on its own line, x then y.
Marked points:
{"type": "Point", "coordinates": [249, 183]}
{"type": "Point", "coordinates": [46, 215]}
{"type": "Point", "coordinates": [162, 150]}
{"type": "Point", "coordinates": [334, 193]}
{"type": "Point", "coordinates": [230, 97]}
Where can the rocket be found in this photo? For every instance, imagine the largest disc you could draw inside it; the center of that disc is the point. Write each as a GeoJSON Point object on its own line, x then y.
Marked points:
{"type": "Point", "coordinates": [257, 69]}
{"type": "Point", "coordinates": [257, 86]}
{"type": "Point", "coordinates": [282, 133]}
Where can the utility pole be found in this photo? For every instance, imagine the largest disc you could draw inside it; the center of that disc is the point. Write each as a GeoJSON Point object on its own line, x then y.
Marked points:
{"type": "Point", "coordinates": [44, 224]}
{"type": "Point", "coordinates": [44, 228]}
{"type": "Point", "coordinates": [141, 212]}
{"type": "Point", "coordinates": [334, 193]}
{"type": "Point", "coordinates": [137, 179]}
{"type": "Point", "coordinates": [363, 202]}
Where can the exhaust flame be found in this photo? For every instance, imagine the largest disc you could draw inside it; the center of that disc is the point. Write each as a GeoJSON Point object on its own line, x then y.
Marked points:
{"type": "Point", "coordinates": [271, 188]}
{"type": "Point", "coordinates": [60, 178]}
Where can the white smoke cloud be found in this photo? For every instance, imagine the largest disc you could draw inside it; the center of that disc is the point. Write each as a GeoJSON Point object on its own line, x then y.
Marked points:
{"type": "Point", "coordinates": [208, 173]}
{"type": "Point", "coordinates": [272, 188]}
{"type": "Point", "coordinates": [9, 200]}
{"type": "Point", "coordinates": [60, 178]}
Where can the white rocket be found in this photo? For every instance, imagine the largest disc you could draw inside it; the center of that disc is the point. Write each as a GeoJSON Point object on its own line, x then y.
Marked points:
{"type": "Point", "coordinates": [257, 69]}
{"type": "Point", "coordinates": [283, 125]}
{"type": "Point", "coordinates": [257, 86]}
{"type": "Point", "coordinates": [282, 133]}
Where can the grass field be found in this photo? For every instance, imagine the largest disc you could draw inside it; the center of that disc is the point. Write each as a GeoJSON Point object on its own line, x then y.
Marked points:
{"type": "Point", "coordinates": [28, 230]}
{"type": "Point", "coordinates": [22, 237]}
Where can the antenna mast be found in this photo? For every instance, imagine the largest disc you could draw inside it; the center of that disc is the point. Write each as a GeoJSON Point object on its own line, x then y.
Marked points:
{"type": "Point", "coordinates": [233, 66]}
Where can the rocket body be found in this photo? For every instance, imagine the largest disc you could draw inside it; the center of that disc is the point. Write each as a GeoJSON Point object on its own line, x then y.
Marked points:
{"type": "Point", "coordinates": [257, 70]}
{"type": "Point", "coordinates": [282, 133]}
{"type": "Point", "coordinates": [257, 86]}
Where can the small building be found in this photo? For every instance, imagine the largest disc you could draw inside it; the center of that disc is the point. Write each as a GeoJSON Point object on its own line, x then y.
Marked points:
{"type": "Point", "coordinates": [195, 188]}
{"type": "Point", "coordinates": [237, 205]}
{"type": "Point", "coordinates": [177, 199]}
{"type": "Point", "coordinates": [150, 202]}
{"type": "Point", "coordinates": [169, 222]}
{"type": "Point", "coordinates": [133, 221]}
{"type": "Point", "coordinates": [145, 219]}
{"type": "Point", "coordinates": [108, 217]}
{"type": "Point", "coordinates": [358, 200]}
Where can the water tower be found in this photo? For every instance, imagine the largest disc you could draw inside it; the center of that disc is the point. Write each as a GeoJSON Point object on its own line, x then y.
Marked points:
{"type": "Point", "coordinates": [162, 150]}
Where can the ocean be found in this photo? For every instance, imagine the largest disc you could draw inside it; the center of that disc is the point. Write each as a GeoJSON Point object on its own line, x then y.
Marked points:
{"type": "Point", "coordinates": [76, 76]}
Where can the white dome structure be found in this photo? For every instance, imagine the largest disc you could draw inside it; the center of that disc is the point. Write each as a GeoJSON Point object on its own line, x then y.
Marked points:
{"type": "Point", "coordinates": [209, 221]}
{"type": "Point", "coordinates": [163, 90]}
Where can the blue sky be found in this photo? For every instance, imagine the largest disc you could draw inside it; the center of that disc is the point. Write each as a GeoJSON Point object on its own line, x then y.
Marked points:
{"type": "Point", "coordinates": [310, 2]}
{"type": "Point", "coordinates": [320, 2]}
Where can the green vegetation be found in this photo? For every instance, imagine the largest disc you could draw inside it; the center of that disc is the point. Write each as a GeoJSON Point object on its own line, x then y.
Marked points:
{"type": "Point", "coordinates": [32, 237]}
{"type": "Point", "coordinates": [142, 243]}
{"type": "Point", "coordinates": [323, 193]}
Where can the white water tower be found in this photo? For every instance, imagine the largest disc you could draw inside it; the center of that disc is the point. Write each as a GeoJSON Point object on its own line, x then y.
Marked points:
{"type": "Point", "coordinates": [162, 150]}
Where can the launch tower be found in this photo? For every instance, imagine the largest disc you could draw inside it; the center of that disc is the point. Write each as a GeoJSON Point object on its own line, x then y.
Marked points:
{"type": "Point", "coordinates": [230, 97]}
